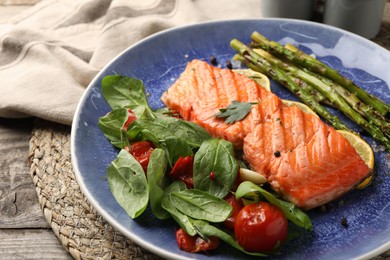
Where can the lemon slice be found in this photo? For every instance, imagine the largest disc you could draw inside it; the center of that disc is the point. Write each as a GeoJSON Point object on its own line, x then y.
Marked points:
{"type": "Point", "coordinates": [302, 106]}
{"type": "Point", "coordinates": [260, 78]}
{"type": "Point", "coordinates": [365, 152]}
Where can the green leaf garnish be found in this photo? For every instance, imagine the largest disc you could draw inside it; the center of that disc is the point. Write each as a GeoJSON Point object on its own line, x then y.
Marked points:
{"type": "Point", "coordinates": [236, 111]}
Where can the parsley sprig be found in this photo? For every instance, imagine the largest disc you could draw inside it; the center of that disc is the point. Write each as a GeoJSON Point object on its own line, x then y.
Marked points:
{"type": "Point", "coordinates": [236, 111]}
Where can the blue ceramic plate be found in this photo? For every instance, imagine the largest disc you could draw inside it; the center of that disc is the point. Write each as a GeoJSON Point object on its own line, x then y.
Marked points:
{"type": "Point", "coordinates": [158, 60]}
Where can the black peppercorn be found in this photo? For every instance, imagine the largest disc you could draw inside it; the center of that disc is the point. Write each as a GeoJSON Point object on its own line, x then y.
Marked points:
{"type": "Point", "coordinates": [344, 222]}
{"type": "Point", "coordinates": [229, 65]}
{"type": "Point", "coordinates": [213, 60]}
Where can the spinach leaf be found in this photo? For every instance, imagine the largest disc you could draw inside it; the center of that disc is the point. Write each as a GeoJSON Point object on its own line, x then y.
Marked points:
{"type": "Point", "coordinates": [162, 127]}
{"type": "Point", "coordinates": [169, 205]}
{"type": "Point", "coordinates": [128, 183]}
{"type": "Point", "coordinates": [141, 111]}
{"type": "Point", "coordinates": [193, 133]}
{"type": "Point", "coordinates": [292, 212]}
{"type": "Point", "coordinates": [206, 230]}
{"type": "Point", "coordinates": [176, 148]}
{"type": "Point", "coordinates": [112, 126]}
{"type": "Point", "coordinates": [122, 91]}
{"type": "Point", "coordinates": [157, 182]}
{"type": "Point", "coordinates": [215, 168]}
{"type": "Point", "coordinates": [198, 204]}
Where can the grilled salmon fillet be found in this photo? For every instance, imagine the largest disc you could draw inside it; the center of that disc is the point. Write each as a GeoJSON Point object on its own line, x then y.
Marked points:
{"type": "Point", "coordinates": [202, 90]}
{"type": "Point", "coordinates": [304, 159]}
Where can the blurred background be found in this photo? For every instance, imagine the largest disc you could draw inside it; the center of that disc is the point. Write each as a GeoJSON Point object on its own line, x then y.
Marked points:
{"type": "Point", "coordinates": [362, 17]}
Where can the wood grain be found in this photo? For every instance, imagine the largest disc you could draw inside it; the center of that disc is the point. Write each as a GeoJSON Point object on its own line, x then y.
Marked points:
{"type": "Point", "coordinates": [24, 232]}
{"type": "Point", "coordinates": [31, 244]}
{"type": "Point", "coordinates": [19, 206]}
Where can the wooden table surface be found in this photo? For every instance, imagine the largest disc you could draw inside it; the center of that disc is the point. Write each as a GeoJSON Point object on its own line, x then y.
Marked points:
{"type": "Point", "coordinates": [24, 232]}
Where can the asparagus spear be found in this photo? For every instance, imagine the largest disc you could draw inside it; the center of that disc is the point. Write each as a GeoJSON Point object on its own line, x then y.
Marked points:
{"type": "Point", "coordinates": [366, 111]}
{"type": "Point", "coordinates": [312, 91]}
{"type": "Point", "coordinates": [304, 85]}
{"type": "Point", "coordinates": [333, 96]}
{"type": "Point", "coordinates": [304, 60]}
{"type": "Point", "coordinates": [328, 87]}
{"type": "Point", "coordinates": [263, 66]}
{"type": "Point", "coordinates": [372, 111]}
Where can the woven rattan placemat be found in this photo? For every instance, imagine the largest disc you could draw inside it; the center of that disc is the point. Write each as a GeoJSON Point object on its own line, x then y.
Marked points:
{"type": "Point", "coordinates": [80, 229]}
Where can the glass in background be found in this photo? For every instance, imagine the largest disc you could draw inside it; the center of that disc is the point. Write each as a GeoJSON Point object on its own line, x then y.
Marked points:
{"type": "Point", "coordinates": [362, 17]}
{"type": "Point", "coordinates": [296, 9]}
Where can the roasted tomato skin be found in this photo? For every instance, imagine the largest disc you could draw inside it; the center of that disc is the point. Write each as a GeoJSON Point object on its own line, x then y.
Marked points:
{"type": "Point", "coordinates": [261, 227]}
{"type": "Point", "coordinates": [183, 171]}
{"type": "Point", "coordinates": [141, 151]}
{"type": "Point", "coordinates": [130, 119]}
{"type": "Point", "coordinates": [237, 205]}
{"type": "Point", "coordinates": [195, 244]}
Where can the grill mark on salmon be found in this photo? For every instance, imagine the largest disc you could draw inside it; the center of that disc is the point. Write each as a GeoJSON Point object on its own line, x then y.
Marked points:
{"type": "Point", "coordinates": [305, 160]}
{"type": "Point", "coordinates": [202, 90]}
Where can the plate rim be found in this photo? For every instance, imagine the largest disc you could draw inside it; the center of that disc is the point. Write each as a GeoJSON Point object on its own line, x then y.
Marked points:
{"type": "Point", "coordinates": [74, 160]}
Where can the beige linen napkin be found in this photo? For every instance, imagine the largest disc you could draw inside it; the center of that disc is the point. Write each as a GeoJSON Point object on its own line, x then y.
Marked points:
{"type": "Point", "coordinates": [50, 52]}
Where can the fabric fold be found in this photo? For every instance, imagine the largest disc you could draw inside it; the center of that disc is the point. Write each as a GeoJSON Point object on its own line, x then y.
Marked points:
{"type": "Point", "coordinates": [52, 51]}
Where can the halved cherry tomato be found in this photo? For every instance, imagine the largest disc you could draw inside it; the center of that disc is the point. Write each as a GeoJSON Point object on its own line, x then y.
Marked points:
{"type": "Point", "coordinates": [130, 119]}
{"type": "Point", "coordinates": [194, 244]}
{"type": "Point", "coordinates": [261, 227]}
{"type": "Point", "coordinates": [141, 151]}
{"type": "Point", "coordinates": [183, 171]}
{"type": "Point", "coordinates": [237, 205]}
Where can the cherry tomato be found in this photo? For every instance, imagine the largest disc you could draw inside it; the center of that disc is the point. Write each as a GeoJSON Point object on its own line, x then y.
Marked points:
{"type": "Point", "coordinates": [194, 244]}
{"type": "Point", "coordinates": [130, 119]}
{"type": "Point", "coordinates": [261, 227]}
{"type": "Point", "coordinates": [183, 170]}
{"type": "Point", "coordinates": [141, 151]}
{"type": "Point", "coordinates": [237, 206]}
